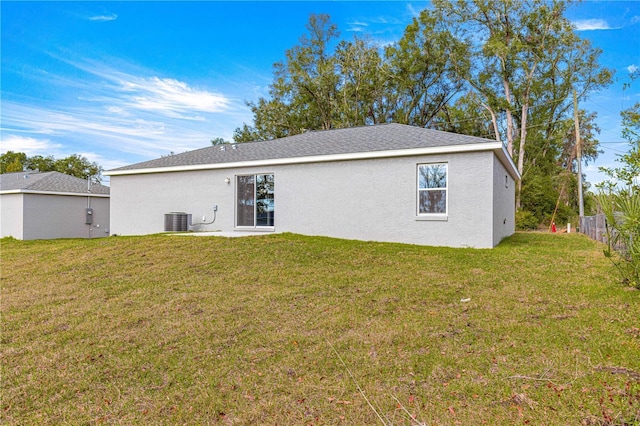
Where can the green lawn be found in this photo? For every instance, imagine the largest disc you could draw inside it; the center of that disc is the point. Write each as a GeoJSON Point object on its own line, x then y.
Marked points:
{"type": "Point", "coordinates": [285, 329]}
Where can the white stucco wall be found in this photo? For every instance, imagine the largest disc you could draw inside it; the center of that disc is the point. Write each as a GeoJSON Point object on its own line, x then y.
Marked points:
{"type": "Point", "coordinates": [365, 199]}
{"type": "Point", "coordinates": [11, 215]}
{"type": "Point", "coordinates": [63, 216]}
{"type": "Point", "coordinates": [377, 200]}
{"type": "Point", "coordinates": [139, 202]}
{"type": "Point", "coordinates": [504, 200]}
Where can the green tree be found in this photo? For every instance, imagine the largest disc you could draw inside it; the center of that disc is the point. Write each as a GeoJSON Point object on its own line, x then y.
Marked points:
{"type": "Point", "coordinates": [520, 57]}
{"type": "Point", "coordinates": [12, 162]}
{"type": "Point", "coordinates": [466, 116]}
{"type": "Point", "coordinates": [420, 80]}
{"type": "Point", "coordinates": [40, 163]}
{"type": "Point", "coordinates": [219, 141]}
{"type": "Point", "coordinates": [363, 84]}
{"type": "Point", "coordinates": [303, 94]}
{"type": "Point", "coordinates": [549, 177]}
{"type": "Point", "coordinates": [501, 69]}
{"type": "Point", "coordinates": [628, 173]}
{"type": "Point", "coordinates": [79, 166]}
{"type": "Point", "coordinates": [74, 165]}
{"type": "Point", "coordinates": [319, 87]}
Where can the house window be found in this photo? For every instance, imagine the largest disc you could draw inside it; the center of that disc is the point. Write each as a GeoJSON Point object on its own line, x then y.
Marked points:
{"type": "Point", "coordinates": [432, 189]}
{"type": "Point", "coordinates": [255, 201]}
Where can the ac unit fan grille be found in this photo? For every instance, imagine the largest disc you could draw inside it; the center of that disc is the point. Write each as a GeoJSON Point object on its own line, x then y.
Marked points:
{"type": "Point", "coordinates": [176, 222]}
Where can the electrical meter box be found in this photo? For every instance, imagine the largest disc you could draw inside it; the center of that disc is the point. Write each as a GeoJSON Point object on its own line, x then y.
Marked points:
{"type": "Point", "coordinates": [89, 219]}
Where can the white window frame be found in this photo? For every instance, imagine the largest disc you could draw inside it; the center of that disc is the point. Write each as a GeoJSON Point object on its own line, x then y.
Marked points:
{"type": "Point", "coordinates": [436, 215]}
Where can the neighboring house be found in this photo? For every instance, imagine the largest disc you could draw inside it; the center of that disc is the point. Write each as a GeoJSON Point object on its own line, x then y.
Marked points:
{"type": "Point", "coordinates": [35, 205]}
{"type": "Point", "coordinates": [387, 182]}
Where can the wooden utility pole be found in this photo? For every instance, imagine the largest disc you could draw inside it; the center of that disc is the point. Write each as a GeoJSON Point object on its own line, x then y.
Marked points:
{"type": "Point", "coordinates": [578, 157]}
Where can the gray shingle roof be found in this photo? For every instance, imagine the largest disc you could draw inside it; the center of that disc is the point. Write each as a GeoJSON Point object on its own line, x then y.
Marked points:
{"type": "Point", "coordinates": [383, 137]}
{"type": "Point", "coordinates": [48, 182]}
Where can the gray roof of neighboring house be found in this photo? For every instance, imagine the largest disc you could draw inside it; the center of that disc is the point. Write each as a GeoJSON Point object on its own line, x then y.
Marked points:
{"type": "Point", "coordinates": [48, 182]}
{"type": "Point", "coordinates": [382, 137]}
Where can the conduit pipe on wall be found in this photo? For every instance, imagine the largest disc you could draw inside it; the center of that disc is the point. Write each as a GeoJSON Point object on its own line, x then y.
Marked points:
{"type": "Point", "coordinates": [215, 210]}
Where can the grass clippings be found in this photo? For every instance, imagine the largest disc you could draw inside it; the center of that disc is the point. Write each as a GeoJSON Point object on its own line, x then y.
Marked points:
{"type": "Point", "coordinates": [286, 329]}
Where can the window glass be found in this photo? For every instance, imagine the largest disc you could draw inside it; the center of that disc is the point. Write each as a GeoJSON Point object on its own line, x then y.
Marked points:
{"type": "Point", "coordinates": [245, 200]}
{"type": "Point", "coordinates": [264, 200]}
{"type": "Point", "coordinates": [432, 176]}
{"type": "Point", "coordinates": [432, 188]}
{"type": "Point", "coordinates": [433, 202]}
{"type": "Point", "coordinates": [255, 200]}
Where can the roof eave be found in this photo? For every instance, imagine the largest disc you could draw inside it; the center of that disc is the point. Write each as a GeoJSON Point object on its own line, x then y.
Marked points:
{"type": "Point", "coordinates": [75, 194]}
{"type": "Point", "coordinates": [507, 162]}
{"type": "Point", "coordinates": [497, 147]}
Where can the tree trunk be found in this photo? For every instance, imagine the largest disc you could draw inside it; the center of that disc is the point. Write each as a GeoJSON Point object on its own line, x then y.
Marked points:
{"type": "Point", "coordinates": [507, 95]}
{"type": "Point", "coordinates": [494, 121]}
{"type": "Point", "coordinates": [523, 138]}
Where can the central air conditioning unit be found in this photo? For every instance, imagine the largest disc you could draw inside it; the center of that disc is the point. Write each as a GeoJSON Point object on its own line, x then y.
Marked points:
{"type": "Point", "coordinates": [177, 222]}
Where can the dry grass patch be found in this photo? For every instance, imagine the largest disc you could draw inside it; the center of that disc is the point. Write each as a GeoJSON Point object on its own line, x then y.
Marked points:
{"type": "Point", "coordinates": [285, 329]}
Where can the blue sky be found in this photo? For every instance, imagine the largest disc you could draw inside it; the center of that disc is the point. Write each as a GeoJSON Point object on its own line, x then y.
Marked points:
{"type": "Point", "coordinates": [123, 82]}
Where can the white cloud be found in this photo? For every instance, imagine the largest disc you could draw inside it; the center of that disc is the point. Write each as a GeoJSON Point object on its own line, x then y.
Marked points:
{"type": "Point", "coordinates": [28, 145]}
{"type": "Point", "coordinates": [143, 136]}
{"type": "Point", "coordinates": [133, 136]}
{"type": "Point", "coordinates": [117, 110]}
{"type": "Point", "coordinates": [357, 26]}
{"type": "Point", "coordinates": [381, 44]}
{"type": "Point", "coordinates": [359, 23]}
{"type": "Point", "coordinates": [106, 163]}
{"type": "Point", "coordinates": [117, 116]}
{"type": "Point", "coordinates": [167, 96]}
{"type": "Point", "coordinates": [591, 25]}
{"type": "Point", "coordinates": [171, 96]}
{"type": "Point", "coordinates": [632, 69]}
{"type": "Point", "coordinates": [413, 11]}
{"type": "Point", "coordinates": [104, 18]}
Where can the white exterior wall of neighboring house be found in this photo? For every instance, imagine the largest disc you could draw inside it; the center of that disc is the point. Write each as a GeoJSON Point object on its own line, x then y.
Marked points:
{"type": "Point", "coordinates": [368, 199]}
{"type": "Point", "coordinates": [34, 216]}
{"type": "Point", "coordinates": [64, 216]}
{"type": "Point", "coordinates": [11, 219]}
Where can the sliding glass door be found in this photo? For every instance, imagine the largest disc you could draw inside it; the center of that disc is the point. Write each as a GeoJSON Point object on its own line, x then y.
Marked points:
{"type": "Point", "coordinates": [255, 201]}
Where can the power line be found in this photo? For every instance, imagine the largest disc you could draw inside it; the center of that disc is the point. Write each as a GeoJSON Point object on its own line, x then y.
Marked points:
{"type": "Point", "coordinates": [614, 150]}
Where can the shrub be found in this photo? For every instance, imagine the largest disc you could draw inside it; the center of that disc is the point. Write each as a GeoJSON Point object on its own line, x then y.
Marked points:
{"type": "Point", "coordinates": [622, 215]}
{"type": "Point", "coordinates": [526, 220]}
